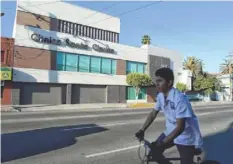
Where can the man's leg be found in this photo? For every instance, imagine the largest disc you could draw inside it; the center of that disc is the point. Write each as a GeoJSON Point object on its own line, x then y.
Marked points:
{"type": "Point", "coordinates": [157, 153]}
{"type": "Point", "coordinates": [186, 153]}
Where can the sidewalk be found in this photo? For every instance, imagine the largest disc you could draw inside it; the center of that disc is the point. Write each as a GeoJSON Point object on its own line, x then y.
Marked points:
{"type": "Point", "coordinates": [91, 107]}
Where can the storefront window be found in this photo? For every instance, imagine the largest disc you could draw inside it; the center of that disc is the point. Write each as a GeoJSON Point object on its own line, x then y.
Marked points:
{"type": "Point", "coordinates": [131, 94]}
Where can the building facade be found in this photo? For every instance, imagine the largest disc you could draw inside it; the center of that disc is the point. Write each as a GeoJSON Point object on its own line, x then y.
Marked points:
{"type": "Point", "coordinates": [7, 45]}
{"type": "Point", "coordinates": [72, 57]}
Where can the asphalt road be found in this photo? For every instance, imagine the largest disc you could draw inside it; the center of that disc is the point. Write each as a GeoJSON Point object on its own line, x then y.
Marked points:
{"type": "Point", "coordinates": [100, 137]}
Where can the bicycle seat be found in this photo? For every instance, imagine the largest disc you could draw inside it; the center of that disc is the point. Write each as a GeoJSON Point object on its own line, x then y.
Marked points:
{"type": "Point", "coordinates": [197, 151]}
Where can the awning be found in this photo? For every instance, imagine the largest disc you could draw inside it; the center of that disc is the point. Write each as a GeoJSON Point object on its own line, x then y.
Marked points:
{"type": "Point", "coordinates": [6, 73]}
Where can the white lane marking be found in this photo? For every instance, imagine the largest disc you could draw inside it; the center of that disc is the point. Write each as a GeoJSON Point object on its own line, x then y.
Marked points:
{"type": "Point", "coordinates": [85, 116]}
{"type": "Point", "coordinates": [112, 151]}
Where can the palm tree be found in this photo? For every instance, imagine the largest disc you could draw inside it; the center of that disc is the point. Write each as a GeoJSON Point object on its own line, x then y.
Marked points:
{"type": "Point", "coordinates": [146, 39]}
{"type": "Point", "coordinates": [226, 67]}
{"type": "Point", "coordinates": [194, 65]}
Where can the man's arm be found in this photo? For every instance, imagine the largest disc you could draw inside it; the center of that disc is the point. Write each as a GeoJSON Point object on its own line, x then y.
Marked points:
{"type": "Point", "coordinates": [176, 132]}
{"type": "Point", "coordinates": [150, 119]}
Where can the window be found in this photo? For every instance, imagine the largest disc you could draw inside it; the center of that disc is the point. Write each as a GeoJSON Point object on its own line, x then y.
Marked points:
{"type": "Point", "coordinates": [113, 67]}
{"type": "Point", "coordinates": [84, 63]}
{"type": "Point", "coordinates": [79, 29]}
{"type": "Point", "coordinates": [141, 68]}
{"type": "Point", "coordinates": [106, 66]}
{"type": "Point", "coordinates": [107, 38]}
{"type": "Point", "coordinates": [61, 61]}
{"type": "Point", "coordinates": [2, 56]}
{"type": "Point", "coordinates": [135, 67]}
{"type": "Point", "coordinates": [131, 94]}
{"type": "Point", "coordinates": [102, 34]}
{"type": "Point", "coordinates": [71, 62]}
{"type": "Point", "coordinates": [95, 64]}
{"type": "Point", "coordinates": [131, 67]}
{"type": "Point", "coordinates": [88, 31]}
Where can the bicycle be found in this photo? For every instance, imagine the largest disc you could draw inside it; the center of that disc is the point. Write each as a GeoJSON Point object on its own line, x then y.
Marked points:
{"type": "Point", "coordinates": [148, 156]}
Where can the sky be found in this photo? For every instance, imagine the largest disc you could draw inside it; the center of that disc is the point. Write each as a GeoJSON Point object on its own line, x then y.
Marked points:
{"type": "Point", "coordinates": [201, 29]}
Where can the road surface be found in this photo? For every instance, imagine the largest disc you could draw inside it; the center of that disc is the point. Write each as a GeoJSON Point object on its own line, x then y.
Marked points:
{"type": "Point", "coordinates": [102, 137]}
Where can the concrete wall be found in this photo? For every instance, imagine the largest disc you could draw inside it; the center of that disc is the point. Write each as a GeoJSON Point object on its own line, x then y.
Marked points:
{"type": "Point", "coordinates": [76, 14]}
{"type": "Point", "coordinates": [65, 77]}
{"type": "Point", "coordinates": [156, 62]}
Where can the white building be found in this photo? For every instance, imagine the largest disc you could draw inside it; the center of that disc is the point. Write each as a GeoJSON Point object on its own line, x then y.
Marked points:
{"type": "Point", "coordinates": [72, 57]}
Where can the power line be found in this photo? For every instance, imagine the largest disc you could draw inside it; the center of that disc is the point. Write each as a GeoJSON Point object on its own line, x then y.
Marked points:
{"type": "Point", "coordinates": [105, 8]}
{"type": "Point", "coordinates": [126, 12]}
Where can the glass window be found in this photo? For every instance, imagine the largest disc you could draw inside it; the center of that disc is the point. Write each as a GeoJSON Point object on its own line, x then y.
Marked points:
{"type": "Point", "coordinates": [141, 68]}
{"type": "Point", "coordinates": [131, 67]}
{"type": "Point", "coordinates": [131, 93]}
{"type": "Point", "coordinates": [95, 64]}
{"type": "Point", "coordinates": [142, 94]}
{"type": "Point", "coordinates": [106, 66]}
{"type": "Point", "coordinates": [84, 63]}
{"type": "Point", "coordinates": [61, 61]}
{"type": "Point", "coordinates": [71, 62]}
{"type": "Point", "coordinates": [113, 67]}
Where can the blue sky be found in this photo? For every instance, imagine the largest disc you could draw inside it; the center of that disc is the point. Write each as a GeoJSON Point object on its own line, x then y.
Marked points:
{"type": "Point", "coordinates": [201, 29]}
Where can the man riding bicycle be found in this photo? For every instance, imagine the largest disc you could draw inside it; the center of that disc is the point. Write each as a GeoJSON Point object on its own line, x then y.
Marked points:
{"type": "Point", "coordinates": [182, 127]}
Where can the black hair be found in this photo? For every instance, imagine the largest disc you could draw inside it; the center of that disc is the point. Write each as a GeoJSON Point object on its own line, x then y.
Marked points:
{"type": "Point", "coordinates": [165, 73]}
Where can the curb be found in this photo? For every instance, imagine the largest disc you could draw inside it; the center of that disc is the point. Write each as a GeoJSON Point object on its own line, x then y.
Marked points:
{"type": "Point", "coordinates": [9, 109]}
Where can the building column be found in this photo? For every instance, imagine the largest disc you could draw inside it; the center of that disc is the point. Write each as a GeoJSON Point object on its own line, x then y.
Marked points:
{"type": "Point", "coordinates": [68, 93]}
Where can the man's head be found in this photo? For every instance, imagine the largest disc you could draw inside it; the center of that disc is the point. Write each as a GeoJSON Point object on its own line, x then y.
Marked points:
{"type": "Point", "coordinates": [164, 79]}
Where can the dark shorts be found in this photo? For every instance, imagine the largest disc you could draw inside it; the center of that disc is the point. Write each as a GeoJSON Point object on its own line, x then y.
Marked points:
{"type": "Point", "coordinates": [186, 152]}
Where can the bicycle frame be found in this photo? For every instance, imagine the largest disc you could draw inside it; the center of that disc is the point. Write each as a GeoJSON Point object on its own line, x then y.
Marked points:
{"type": "Point", "coordinates": [147, 144]}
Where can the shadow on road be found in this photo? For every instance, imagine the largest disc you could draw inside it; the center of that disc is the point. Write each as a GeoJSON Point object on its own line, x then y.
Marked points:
{"type": "Point", "coordinates": [219, 146]}
{"type": "Point", "coordinates": [28, 143]}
